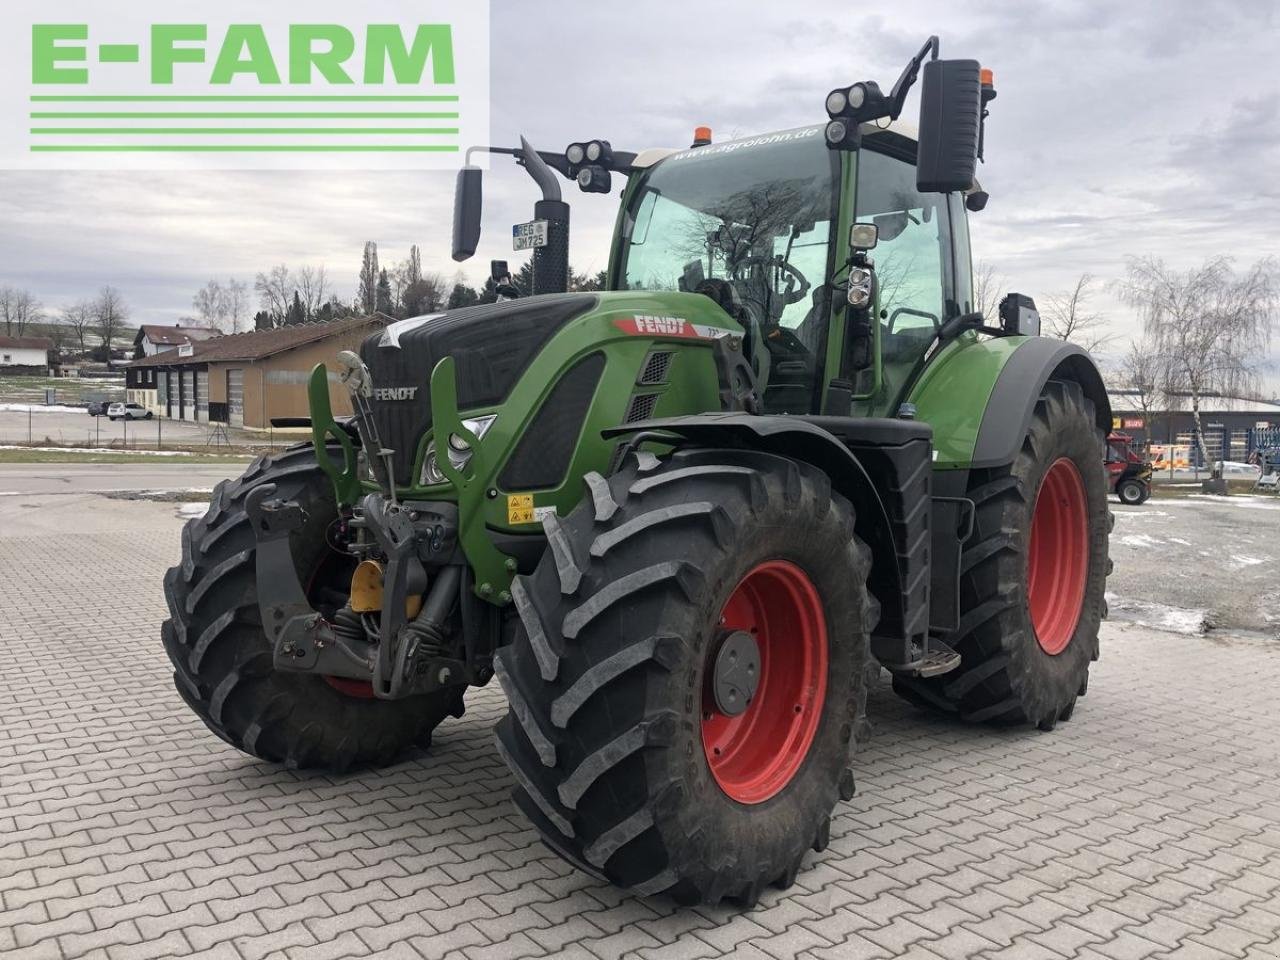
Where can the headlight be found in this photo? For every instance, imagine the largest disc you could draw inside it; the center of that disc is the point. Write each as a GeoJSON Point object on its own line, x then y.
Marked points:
{"type": "Point", "coordinates": [857, 95]}
{"type": "Point", "coordinates": [595, 149]}
{"type": "Point", "coordinates": [575, 154]}
{"type": "Point", "coordinates": [859, 296]}
{"type": "Point", "coordinates": [458, 452]}
{"type": "Point", "coordinates": [837, 100]}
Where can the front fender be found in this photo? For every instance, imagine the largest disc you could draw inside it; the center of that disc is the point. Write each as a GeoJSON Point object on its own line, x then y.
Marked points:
{"type": "Point", "coordinates": [899, 575]}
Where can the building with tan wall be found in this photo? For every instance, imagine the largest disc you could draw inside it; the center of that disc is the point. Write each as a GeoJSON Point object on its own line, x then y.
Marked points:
{"type": "Point", "coordinates": [247, 379]}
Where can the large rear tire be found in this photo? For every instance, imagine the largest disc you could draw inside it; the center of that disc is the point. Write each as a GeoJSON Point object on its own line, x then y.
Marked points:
{"type": "Point", "coordinates": [1033, 576]}
{"type": "Point", "coordinates": [222, 660]}
{"type": "Point", "coordinates": [629, 759]}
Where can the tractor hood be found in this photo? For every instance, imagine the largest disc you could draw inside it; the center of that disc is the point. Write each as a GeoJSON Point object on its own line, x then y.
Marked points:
{"type": "Point", "coordinates": [491, 345]}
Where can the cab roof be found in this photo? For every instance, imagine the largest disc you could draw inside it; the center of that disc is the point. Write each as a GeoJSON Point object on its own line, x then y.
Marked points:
{"type": "Point", "coordinates": [647, 158]}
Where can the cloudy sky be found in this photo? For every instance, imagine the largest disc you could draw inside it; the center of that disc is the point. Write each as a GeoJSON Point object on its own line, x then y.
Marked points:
{"type": "Point", "coordinates": [1120, 129]}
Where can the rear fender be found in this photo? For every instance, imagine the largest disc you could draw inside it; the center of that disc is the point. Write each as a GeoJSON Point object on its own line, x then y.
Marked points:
{"type": "Point", "coordinates": [1013, 397]}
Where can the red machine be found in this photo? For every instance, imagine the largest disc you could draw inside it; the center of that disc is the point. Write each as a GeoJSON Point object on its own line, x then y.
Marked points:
{"type": "Point", "coordinates": [1128, 471]}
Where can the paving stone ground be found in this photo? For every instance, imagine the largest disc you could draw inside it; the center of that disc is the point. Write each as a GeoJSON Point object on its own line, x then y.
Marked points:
{"type": "Point", "coordinates": [1148, 826]}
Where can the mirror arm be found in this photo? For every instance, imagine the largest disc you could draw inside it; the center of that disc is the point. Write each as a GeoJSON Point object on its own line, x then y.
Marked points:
{"type": "Point", "coordinates": [898, 97]}
{"type": "Point", "coordinates": [537, 168]}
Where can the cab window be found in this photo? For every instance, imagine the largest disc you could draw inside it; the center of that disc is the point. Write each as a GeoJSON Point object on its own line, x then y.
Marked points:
{"type": "Point", "coordinates": [913, 260]}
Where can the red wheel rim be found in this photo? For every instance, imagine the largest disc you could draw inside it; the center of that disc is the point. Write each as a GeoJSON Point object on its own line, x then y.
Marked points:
{"type": "Point", "coordinates": [360, 689]}
{"type": "Point", "coordinates": [756, 754]}
{"type": "Point", "coordinates": [1058, 557]}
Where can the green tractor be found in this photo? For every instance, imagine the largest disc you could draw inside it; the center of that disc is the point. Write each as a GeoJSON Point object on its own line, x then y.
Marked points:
{"type": "Point", "coordinates": [687, 520]}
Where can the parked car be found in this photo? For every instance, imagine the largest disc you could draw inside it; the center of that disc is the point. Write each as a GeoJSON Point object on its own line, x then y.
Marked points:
{"type": "Point", "coordinates": [97, 408]}
{"type": "Point", "coordinates": [128, 411]}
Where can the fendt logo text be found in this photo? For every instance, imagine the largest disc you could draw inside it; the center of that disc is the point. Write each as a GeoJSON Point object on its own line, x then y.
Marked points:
{"type": "Point", "coordinates": [242, 85]}
{"type": "Point", "coordinates": [394, 393]}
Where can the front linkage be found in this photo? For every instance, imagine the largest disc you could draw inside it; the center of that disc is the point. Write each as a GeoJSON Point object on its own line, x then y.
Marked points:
{"type": "Point", "coordinates": [421, 555]}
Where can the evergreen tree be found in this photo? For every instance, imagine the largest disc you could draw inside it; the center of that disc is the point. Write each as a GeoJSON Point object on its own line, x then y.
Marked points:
{"type": "Point", "coordinates": [524, 279]}
{"type": "Point", "coordinates": [262, 320]}
{"type": "Point", "coordinates": [297, 312]}
{"type": "Point", "coordinates": [463, 296]}
{"type": "Point", "coordinates": [367, 293]}
{"type": "Point", "coordinates": [383, 295]}
{"type": "Point", "coordinates": [414, 271]}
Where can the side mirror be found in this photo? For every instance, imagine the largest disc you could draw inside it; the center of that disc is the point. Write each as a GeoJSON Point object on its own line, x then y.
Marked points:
{"type": "Point", "coordinates": [950, 121]}
{"type": "Point", "coordinates": [468, 201]}
{"type": "Point", "coordinates": [498, 270]}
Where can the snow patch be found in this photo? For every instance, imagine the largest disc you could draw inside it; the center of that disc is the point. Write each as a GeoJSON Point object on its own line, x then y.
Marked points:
{"type": "Point", "coordinates": [99, 450]}
{"type": "Point", "coordinates": [1140, 540]}
{"type": "Point", "coordinates": [1244, 501]}
{"type": "Point", "coordinates": [190, 511]}
{"type": "Point", "coordinates": [1239, 562]}
{"type": "Point", "coordinates": [37, 408]}
{"type": "Point", "coordinates": [1193, 622]}
{"type": "Point", "coordinates": [1179, 540]}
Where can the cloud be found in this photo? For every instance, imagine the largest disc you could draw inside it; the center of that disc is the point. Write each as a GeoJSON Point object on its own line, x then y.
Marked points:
{"type": "Point", "coordinates": [1141, 128]}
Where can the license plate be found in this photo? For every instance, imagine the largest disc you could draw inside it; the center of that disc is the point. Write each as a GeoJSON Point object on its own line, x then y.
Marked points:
{"type": "Point", "coordinates": [526, 236]}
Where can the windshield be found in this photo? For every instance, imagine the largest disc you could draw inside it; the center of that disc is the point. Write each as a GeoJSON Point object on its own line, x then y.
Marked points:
{"type": "Point", "coordinates": [756, 213]}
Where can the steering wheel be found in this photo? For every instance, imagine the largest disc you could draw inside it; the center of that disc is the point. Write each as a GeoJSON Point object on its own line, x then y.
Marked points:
{"type": "Point", "coordinates": [794, 277]}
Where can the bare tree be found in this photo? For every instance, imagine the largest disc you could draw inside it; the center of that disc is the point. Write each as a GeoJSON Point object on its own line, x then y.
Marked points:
{"type": "Point", "coordinates": [18, 308]}
{"type": "Point", "coordinates": [275, 291]}
{"type": "Point", "coordinates": [1144, 371]}
{"type": "Point", "coordinates": [313, 283]}
{"type": "Point", "coordinates": [79, 317]}
{"type": "Point", "coordinates": [1212, 324]}
{"type": "Point", "coordinates": [236, 294]}
{"type": "Point", "coordinates": [1067, 316]}
{"type": "Point", "coordinates": [210, 304]}
{"type": "Point", "coordinates": [988, 289]}
{"type": "Point", "coordinates": [109, 315]}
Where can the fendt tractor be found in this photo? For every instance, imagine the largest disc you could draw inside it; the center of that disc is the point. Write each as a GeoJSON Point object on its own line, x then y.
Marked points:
{"type": "Point", "coordinates": [686, 520]}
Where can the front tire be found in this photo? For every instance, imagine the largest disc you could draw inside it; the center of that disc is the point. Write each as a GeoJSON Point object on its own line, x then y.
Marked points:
{"type": "Point", "coordinates": [222, 659]}
{"type": "Point", "coordinates": [631, 754]}
{"type": "Point", "coordinates": [1032, 576]}
{"type": "Point", "coordinates": [1131, 492]}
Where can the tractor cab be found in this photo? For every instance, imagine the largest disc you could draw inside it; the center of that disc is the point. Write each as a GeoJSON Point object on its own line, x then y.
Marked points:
{"type": "Point", "coordinates": [759, 226]}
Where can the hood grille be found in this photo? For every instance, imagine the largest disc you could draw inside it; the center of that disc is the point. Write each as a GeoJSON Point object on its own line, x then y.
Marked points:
{"type": "Point", "coordinates": [491, 345]}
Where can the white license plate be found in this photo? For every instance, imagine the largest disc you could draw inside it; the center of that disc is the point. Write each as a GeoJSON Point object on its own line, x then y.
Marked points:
{"type": "Point", "coordinates": [526, 236]}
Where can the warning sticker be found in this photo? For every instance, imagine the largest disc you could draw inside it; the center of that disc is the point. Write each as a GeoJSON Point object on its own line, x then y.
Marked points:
{"type": "Point", "coordinates": [520, 508]}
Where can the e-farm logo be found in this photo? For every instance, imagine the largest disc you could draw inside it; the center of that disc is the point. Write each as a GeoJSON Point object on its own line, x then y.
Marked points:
{"type": "Point", "coordinates": [241, 84]}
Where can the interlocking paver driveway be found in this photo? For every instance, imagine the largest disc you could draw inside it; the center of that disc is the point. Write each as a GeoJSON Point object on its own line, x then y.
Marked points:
{"type": "Point", "coordinates": [1149, 826]}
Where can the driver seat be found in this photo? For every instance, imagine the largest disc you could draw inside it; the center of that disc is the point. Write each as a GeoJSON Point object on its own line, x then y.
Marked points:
{"type": "Point", "coordinates": [725, 295]}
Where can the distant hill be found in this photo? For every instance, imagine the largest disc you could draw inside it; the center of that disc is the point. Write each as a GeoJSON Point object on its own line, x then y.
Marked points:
{"type": "Point", "coordinates": [51, 328]}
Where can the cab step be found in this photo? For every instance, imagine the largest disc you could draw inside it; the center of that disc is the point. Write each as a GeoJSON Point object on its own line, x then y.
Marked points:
{"type": "Point", "coordinates": [939, 659]}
